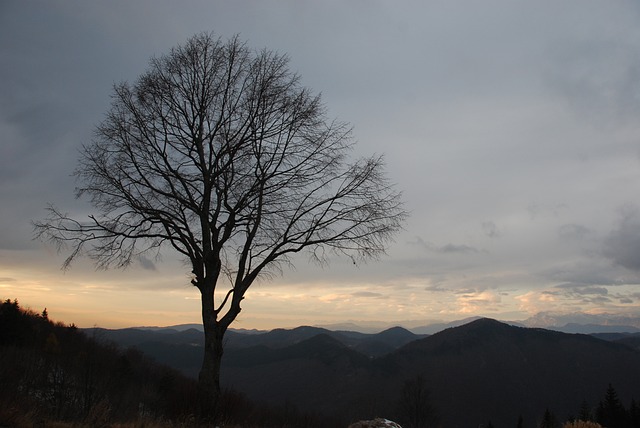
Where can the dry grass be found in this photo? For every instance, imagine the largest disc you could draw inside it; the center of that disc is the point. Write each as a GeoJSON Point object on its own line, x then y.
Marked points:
{"type": "Point", "coordinates": [581, 424]}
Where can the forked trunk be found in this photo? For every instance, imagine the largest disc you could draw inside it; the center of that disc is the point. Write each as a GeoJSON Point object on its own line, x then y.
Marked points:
{"type": "Point", "coordinates": [209, 379]}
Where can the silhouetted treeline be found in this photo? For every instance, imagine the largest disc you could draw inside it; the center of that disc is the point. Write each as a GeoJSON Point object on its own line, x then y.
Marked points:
{"type": "Point", "coordinates": [54, 372]}
{"type": "Point", "coordinates": [610, 412]}
{"type": "Point", "coordinates": [51, 371]}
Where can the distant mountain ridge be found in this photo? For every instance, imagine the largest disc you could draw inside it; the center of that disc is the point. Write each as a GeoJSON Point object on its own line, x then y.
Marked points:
{"type": "Point", "coordinates": [595, 328]}
{"type": "Point", "coordinates": [577, 322]}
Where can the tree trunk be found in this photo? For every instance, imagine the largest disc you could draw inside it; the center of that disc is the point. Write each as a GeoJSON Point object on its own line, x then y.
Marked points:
{"type": "Point", "coordinates": [209, 379]}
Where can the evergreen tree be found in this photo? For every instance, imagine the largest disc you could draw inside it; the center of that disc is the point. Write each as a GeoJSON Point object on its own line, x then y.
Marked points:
{"type": "Point", "coordinates": [15, 323]}
{"type": "Point", "coordinates": [585, 413]}
{"type": "Point", "coordinates": [548, 420]}
{"type": "Point", "coordinates": [611, 412]}
{"type": "Point", "coordinates": [634, 414]}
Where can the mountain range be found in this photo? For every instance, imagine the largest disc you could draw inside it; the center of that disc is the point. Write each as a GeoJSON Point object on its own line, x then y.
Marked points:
{"type": "Point", "coordinates": [579, 322]}
{"type": "Point", "coordinates": [576, 322]}
{"type": "Point", "coordinates": [481, 371]}
{"type": "Point", "coordinates": [181, 348]}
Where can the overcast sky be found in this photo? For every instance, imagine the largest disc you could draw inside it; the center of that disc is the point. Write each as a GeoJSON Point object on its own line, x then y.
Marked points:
{"type": "Point", "coordinates": [513, 129]}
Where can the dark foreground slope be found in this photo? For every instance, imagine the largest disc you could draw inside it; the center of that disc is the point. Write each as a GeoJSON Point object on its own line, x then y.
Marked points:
{"type": "Point", "coordinates": [54, 372]}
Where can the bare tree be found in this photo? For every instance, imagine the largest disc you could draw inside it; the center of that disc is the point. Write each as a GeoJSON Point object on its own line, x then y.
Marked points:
{"type": "Point", "coordinates": [415, 404]}
{"type": "Point", "coordinates": [218, 152]}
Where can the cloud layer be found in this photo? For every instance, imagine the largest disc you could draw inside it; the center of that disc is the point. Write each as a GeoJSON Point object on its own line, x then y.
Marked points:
{"type": "Point", "coordinates": [512, 129]}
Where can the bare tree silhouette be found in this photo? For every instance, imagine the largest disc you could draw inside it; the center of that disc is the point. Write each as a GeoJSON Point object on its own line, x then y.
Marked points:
{"type": "Point", "coordinates": [219, 153]}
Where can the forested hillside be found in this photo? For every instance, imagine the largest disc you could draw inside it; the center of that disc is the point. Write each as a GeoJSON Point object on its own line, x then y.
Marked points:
{"type": "Point", "coordinates": [52, 374]}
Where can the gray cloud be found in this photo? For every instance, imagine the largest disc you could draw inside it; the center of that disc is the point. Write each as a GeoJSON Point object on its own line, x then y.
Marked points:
{"type": "Point", "coordinates": [588, 294]}
{"type": "Point", "coordinates": [444, 249]}
{"type": "Point", "coordinates": [583, 289]}
{"type": "Point", "coordinates": [436, 289]}
{"type": "Point", "coordinates": [147, 264]}
{"type": "Point", "coordinates": [419, 242]}
{"type": "Point", "coordinates": [599, 77]}
{"type": "Point", "coordinates": [367, 294]}
{"type": "Point", "coordinates": [573, 232]}
{"type": "Point", "coordinates": [456, 248]}
{"type": "Point", "coordinates": [512, 145]}
{"type": "Point", "coordinates": [589, 272]}
{"type": "Point", "coordinates": [490, 229]}
{"type": "Point", "coordinates": [622, 245]}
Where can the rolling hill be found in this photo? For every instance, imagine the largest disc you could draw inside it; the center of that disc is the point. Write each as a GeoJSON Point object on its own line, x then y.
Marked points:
{"type": "Point", "coordinates": [499, 372]}
{"type": "Point", "coordinates": [182, 348]}
{"type": "Point", "coordinates": [481, 371]}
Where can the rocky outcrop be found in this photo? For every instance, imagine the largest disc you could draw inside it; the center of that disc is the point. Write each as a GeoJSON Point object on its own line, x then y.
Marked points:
{"type": "Point", "coordinates": [375, 423]}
